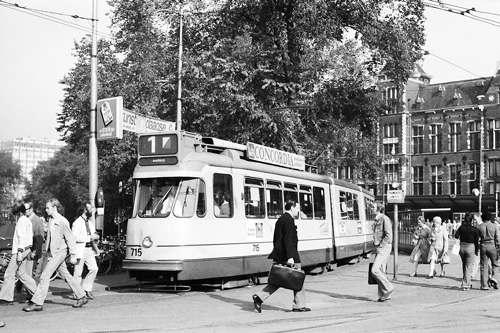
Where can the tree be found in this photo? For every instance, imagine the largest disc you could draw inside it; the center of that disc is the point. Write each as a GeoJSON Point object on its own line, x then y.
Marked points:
{"type": "Point", "coordinates": [291, 74]}
{"type": "Point", "coordinates": [10, 175]}
{"type": "Point", "coordinates": [64, 177]}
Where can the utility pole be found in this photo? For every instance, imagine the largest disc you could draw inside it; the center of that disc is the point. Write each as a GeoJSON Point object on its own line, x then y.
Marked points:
{"type": "Point", "coordinates": [93, 105]}
{"type": "Point", "coordinates": [179, 73]}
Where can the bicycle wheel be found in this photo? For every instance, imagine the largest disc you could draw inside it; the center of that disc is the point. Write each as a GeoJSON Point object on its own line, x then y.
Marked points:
{"type": "Point", "coordinates": [104, 264]}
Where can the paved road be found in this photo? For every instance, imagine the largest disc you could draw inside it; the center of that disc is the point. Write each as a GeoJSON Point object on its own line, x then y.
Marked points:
{"type": "Point", "coordinates": [341, 301]}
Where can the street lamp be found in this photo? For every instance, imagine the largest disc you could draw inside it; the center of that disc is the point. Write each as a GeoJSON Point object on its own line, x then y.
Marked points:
{"type": "Point", "coordinates": [481, 161]}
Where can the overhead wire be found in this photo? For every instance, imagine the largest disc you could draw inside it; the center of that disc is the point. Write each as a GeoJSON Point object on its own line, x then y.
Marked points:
{"type": "Point", "coordinates": [41, 14]}
{"type": "Point", "coordinates": [466, 12]}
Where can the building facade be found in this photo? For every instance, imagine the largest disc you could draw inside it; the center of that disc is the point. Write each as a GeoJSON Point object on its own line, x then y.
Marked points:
{"type": "Point", "coordinates": [28, 153]}
{"type": "Point", "coordinates": [440, 143]}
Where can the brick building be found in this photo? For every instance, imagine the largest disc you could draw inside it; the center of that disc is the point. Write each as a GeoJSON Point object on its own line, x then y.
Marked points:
{"type": "Point", "coordinates": [440, 143]}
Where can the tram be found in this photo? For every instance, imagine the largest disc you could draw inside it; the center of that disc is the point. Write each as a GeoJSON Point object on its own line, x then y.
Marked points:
{"type": "Point", "coordinates": [205, 209]}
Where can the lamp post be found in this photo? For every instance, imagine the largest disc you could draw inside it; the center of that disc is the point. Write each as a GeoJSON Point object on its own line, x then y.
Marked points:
{"type": "Point", "coordinates": [481, 161]}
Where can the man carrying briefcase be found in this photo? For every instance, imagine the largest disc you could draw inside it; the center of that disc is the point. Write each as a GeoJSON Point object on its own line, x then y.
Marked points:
{"type": "Point", "coordinates": [285, 242]}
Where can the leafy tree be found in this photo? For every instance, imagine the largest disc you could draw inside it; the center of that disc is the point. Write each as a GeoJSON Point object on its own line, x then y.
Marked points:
{"type": "Point", "coordinates": [10, 175]}
{"type": "Point", "coordinates": [64, 177]}
{"type": "Point", "coordinates": [291, 74]}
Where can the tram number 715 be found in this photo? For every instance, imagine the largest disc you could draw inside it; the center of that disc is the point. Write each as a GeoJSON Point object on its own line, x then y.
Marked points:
{"type": "Point", "coordinates": [135, 252]}
{"type": "Point", "coordinates": [256, 248]}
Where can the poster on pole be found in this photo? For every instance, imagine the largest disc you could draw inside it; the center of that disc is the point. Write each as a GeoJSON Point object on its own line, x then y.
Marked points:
{"type": "Point", "coordinates": [109, 124]}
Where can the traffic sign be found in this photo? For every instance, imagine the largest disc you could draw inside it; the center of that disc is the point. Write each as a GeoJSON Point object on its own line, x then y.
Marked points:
{"type": "Point", "coordinates": [395, 196]}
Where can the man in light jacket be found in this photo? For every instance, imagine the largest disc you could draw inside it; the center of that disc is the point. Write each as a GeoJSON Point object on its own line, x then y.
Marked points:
{"type": "Point", "coordinates": [86, 249]}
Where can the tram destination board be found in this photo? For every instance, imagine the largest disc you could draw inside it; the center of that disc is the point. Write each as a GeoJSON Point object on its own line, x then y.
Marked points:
{"type": "Point", "coordinates": [158, 149]}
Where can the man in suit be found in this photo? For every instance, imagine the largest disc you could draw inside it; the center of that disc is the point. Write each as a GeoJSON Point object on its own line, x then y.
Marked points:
{"type": "Point", "coordinates": [285, 251]}
{"type": "Point", "coordinates": [86, 249]}
{"type": "Point", "coordinates": [60, 239]}
{"type": "Point", "coordinates": [382, 239]}
{"type": "Point", "coordinates": [38, 238]}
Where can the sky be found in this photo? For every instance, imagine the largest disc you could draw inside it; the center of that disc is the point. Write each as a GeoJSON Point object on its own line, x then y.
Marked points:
{"type": "Point", "coordinates": [36, 53]}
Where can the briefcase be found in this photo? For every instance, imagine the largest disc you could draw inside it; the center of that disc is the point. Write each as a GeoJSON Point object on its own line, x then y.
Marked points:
{"type": "Point", "coordinates": [286, 277]}
{"type": "Point", "coordinates": [371, 279]}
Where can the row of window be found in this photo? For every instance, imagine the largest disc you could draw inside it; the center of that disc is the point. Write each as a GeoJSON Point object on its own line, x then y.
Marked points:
{"type": "Point", "coordinates": [182, 197]}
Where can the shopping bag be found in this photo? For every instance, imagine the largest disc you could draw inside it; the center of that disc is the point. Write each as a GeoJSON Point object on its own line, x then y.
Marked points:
{"type": "Point", "coordinates": [287, 277]}
{"type": "Point", "coordinates": [371, 278]}
{"type": "Point", "coordinates": [456, 248]}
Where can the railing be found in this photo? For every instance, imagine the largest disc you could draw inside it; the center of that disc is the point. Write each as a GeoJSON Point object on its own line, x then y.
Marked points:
{"type": "Point", "coordinates": [407, 225]}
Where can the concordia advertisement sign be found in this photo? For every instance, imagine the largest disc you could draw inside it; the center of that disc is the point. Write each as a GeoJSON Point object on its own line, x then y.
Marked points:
{"type": "Point", "coordinates": [112, 119]}
{"type": "Point", "coordinates": [269, 155]}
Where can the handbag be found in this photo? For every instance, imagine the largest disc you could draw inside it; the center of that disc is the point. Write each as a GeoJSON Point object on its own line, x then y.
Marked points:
{"type": "Point", "coordinates": [371, 278]}
{"type": "Point", "coordinates": [287, 277]}
{"type": "Point", "coordinates": [456, 248]}
{"type": "Point", "coordinates": [445, 259]}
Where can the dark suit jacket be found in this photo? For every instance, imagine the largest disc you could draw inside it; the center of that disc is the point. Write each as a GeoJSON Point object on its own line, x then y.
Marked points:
{"type": "Point", "coordinates": [285, 240]}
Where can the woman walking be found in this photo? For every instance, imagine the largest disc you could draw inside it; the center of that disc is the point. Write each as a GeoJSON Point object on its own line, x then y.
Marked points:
{"type": "Point", "coordinates": [421, 250]}
{"type": "Point", "coordinates": [439, 246]}
{"type": "Point", "coordinates": [469, 248]}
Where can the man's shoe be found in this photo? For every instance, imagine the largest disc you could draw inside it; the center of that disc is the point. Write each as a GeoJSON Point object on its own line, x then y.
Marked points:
{"type": "Point", "coordinates": [257, 303]}
{"type": "Point", "coordinates": [81, 302]}
{"type": "Point", "coordinates": [381, 300]}
{"type": "Point", "coordinates": [5, 302]}
{"type": "Point", "coordinates": [33, 307]}
{"type": "Point", "coordinates": [2, 324]}
{"type": "Point", "coordinates": [89, 295]}
{"type": "Point", "coordinates": [301, 310]}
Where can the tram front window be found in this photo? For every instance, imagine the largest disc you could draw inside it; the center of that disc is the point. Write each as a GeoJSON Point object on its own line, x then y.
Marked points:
{"type": "Point", "coordinates": [161, 197]}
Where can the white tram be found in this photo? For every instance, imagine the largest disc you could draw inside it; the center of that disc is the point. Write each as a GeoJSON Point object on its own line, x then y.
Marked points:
{"type": "Point", "coordinates": [205, 210]}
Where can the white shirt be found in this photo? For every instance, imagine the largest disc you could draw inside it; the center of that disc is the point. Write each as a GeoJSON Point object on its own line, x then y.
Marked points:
{"type": "Point", "coordinates": [23, 235]}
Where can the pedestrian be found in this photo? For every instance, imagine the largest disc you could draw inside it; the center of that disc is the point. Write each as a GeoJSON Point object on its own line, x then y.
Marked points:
{"type": "Point", "coordinates": [476, 221]}
{"type": "Point", "coordinates": [382, 239]}
{"type": "Point", "coordinates": [86, 249]}
{"type": "Point", "coordinates": [489, 241]}
{"type": "Point", "coordinates": [38, 239]}
{"type": "Point", "coordinates": [469, 249]}
{"type": "Point", "coordinates": [439, 246]}
{"type": "Point", "coordinates": [449, 228]}
{"type": "Point", "coordinates": [60, 239]}
{"type": "Point", "coordinates": [21, 249]}
{"type": "Point", "coordinates": [420, 252]}
{"type": "Point", "coordinates": [285, 252]}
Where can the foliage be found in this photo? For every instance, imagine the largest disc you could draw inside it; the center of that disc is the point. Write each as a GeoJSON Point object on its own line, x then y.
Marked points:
{"type": "Point", "coordinates": [64, 177]}
{"type": "Point", "coordinates": [10, 174]}
{"type": "Point", "coordinates": [291, 74]}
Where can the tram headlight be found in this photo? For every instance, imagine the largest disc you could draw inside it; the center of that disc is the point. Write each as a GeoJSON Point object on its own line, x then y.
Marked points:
{"type": "Point", "coordinates": [147, 242]}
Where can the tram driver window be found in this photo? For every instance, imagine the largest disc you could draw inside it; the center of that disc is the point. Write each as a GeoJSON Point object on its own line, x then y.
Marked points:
{"type": "Point", "coordinates": [223, 198]}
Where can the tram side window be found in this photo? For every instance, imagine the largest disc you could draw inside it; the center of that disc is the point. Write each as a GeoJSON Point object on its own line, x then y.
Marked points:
{"type": "Point", "coordinates": [274, 199]}
{"type": "Point", "coordinates": [349, 207]}
{"type": "Point", "coordinates": [254, 198]}
{"type": "Point", "coordinates": [306, 204]}
{"type": "Point", "coordinates": [223, 198]}
{"type": "Point", "coordinates": [370, 215]}
{"type": "Point", "coordinates": [319, 203]}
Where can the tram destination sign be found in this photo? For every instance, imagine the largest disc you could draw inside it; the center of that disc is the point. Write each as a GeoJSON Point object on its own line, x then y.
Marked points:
{"type": "Point", "coordinates": [273, 156]}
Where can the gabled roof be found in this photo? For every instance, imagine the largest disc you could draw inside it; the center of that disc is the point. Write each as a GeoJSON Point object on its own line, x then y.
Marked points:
{"type": "Point", "coordinates": [450, 94]}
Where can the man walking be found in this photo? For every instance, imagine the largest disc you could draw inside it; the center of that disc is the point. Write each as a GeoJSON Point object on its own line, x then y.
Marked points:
{"type": "Point", "coordinates": [382, 239]}
{"type": "Point", "coordinates": [489, 238]}
{"type": "Point", "coordinates": [38, 238]}
{"type": "Point", "coordinates": [59, 240]}
{"type": "Point", "coordinates": [84, 232]}
{"type": "Point", "coordinates": [285, 251]}
{"type": "Point", "coordinates": [21, 249]}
